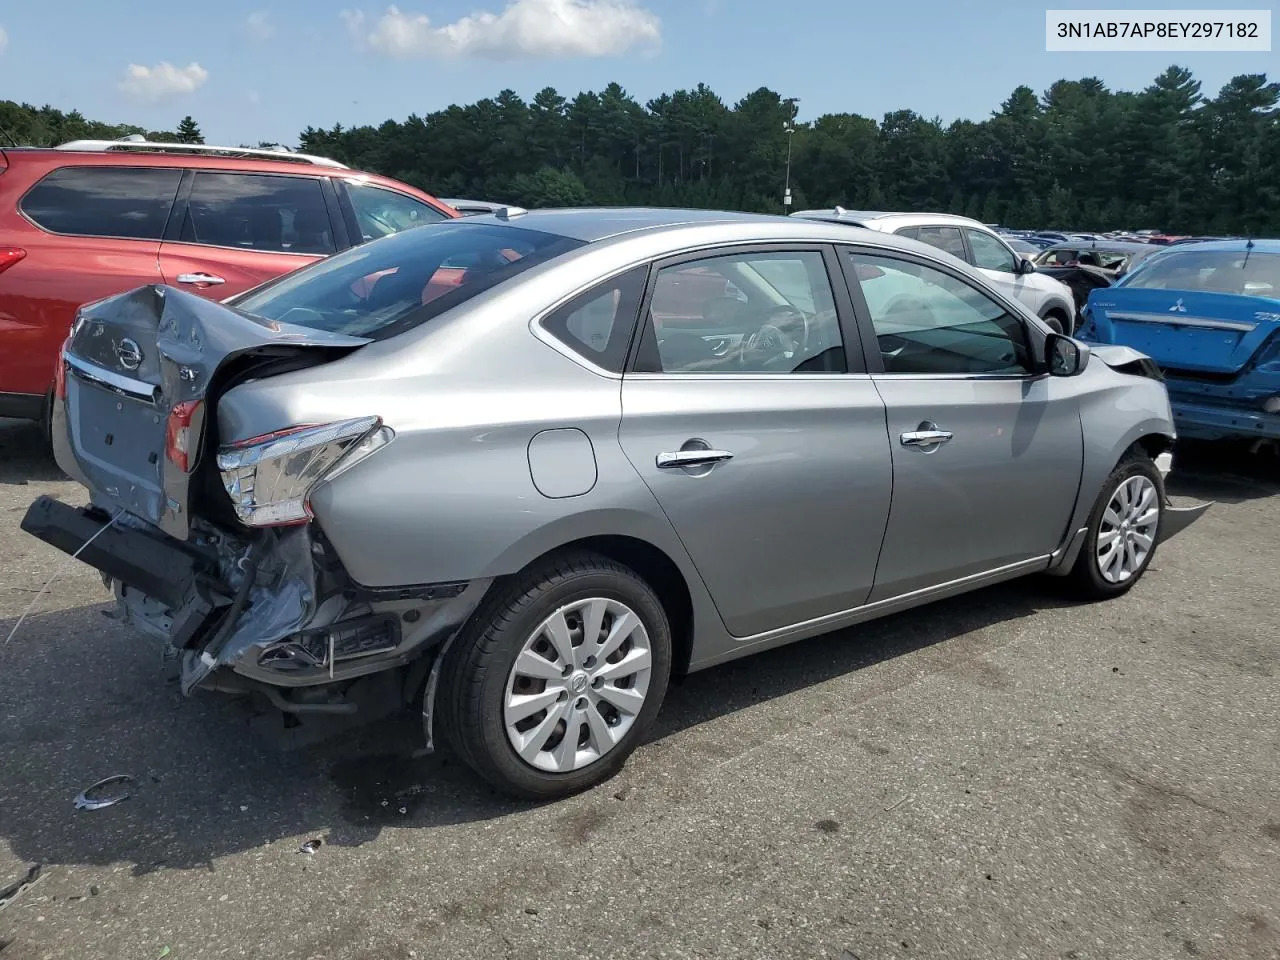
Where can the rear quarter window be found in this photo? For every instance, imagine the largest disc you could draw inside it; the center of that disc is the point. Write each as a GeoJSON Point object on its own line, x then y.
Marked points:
{"type": "Point", "coordinates": [128, 202]}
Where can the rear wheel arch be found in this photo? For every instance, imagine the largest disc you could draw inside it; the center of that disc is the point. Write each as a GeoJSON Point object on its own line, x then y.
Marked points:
{"type": "Point", "coordinates": [651, 564]}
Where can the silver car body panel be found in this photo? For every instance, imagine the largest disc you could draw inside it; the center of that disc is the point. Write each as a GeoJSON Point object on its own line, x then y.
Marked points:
{"type": "Point", "coordinates": [509, 445]}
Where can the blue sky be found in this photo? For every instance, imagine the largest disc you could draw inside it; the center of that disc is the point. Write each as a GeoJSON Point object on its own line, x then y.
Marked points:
{"type": "Point", "coordinates": [251, 70]}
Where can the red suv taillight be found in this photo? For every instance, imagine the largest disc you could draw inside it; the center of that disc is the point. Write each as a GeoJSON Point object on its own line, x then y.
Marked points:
{"type": "Point", "coordinates": [178, 440]}
{"type": "Point", "coordinates": [9, 256]}
{"type": "Point", "coordinates": [270, 478]}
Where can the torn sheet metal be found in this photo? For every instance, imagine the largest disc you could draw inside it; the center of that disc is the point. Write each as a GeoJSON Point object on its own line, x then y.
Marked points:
{"type": "Point", "coordinates": [281, 599]}
{"type": "Point", "coordinates": [135, 357]}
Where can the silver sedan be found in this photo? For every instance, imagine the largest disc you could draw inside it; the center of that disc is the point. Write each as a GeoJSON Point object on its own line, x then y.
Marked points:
{"type": "Point", "coordinates": [517, 470]}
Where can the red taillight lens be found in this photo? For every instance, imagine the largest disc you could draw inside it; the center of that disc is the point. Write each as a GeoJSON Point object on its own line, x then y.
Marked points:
{"type": "Point", "coordinates": [179, 439]}
{"type": "Point", "coordinates": [9, 256]}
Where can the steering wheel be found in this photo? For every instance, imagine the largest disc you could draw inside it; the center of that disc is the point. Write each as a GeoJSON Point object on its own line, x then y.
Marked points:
{"type": "Point", "coordinates": [774, 340]}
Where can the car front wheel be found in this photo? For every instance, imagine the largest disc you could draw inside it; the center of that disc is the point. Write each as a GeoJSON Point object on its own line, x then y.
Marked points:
{"type": "Point", "coordinates": [1123, 531]}
{"type": "Point", "coordinates": [557, 679]}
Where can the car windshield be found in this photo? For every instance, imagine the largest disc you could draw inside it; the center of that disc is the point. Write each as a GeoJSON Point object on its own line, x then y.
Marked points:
{"type": "Point", "coordinates": [1247, 273]}
{"type": "Point", "coordinates": [385, 287]}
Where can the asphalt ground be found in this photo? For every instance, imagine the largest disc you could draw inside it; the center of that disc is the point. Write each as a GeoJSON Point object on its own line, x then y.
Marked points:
{"type": "Point", "coordinates": [1005, 774]}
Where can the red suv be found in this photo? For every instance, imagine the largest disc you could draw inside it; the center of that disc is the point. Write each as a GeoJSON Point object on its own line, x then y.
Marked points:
{"type": "Point", "coordinates": [93, 218]}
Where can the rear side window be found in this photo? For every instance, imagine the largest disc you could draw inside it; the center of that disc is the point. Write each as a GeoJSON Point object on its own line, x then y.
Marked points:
{"type": "Point", "coordinates": [385, 287]}
{"type": "Point", "coordinates": [944, 238]}
{"type": "Point", "coordinates": [255, 211]}
{"type": "Point", "coordinates": [598, 324]}
{"type": "Point", "coordinates": [381, 212]}
{"type": "Point", "coordinates": [129, 202]}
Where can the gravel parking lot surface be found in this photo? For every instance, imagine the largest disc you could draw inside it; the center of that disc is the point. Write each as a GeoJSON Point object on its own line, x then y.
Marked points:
{"type": "Point", "coordinates": [1001, 775]}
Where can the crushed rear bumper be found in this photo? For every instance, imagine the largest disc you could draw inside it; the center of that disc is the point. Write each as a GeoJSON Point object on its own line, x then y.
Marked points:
{"type": "Point", "coordinates": [277, 612]}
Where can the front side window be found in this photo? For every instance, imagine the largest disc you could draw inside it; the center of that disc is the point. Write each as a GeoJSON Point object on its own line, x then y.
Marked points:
{"type": "Point", "coordinates": [928, 322]}
{"type": "Point", "coordinates": [944, 238]}
{"type": "Point", "coordinates": [990, 254]}
{"type": "Point", "coordinates": [743, 313]}
{"type": "Point", "coordinates": [129, 202]}
{"type": "Point", "coordinates": [255, 211]}
{"type": "Point", "coordinates": [1245, 272]}
{"type": "Point", "coordinates": [383, 288]}
{"type": "Point", "coordinates": [381, 212]}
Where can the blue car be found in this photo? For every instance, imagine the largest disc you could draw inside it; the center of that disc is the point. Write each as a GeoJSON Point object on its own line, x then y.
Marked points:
{"type": "Point", "coordinates": [1209, 315]}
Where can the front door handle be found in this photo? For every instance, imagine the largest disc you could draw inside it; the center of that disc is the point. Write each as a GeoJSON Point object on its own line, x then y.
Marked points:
{"type": "Point", "coordinates": [692, 458]}
{"type": "Point", "coordinates": [206, 278]}
{"type": "Point", "coordinates": [926, 438]}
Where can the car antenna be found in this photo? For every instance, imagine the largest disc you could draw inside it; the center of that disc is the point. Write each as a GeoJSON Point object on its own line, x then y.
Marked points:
{"type": "Point", "coordinates": [13, 141]}
{"type": "Point", "coordinates": [1248, 249]}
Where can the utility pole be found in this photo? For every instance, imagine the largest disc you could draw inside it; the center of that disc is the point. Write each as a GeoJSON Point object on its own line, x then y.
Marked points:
{"type": "Point", "coordinates": [789, 126]}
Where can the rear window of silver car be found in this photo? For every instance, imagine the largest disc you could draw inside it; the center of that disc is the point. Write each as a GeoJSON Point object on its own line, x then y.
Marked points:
{"type": "Point", "coordinates": [385, 287]}
{"type": "Point", "coordinates": [1248, 273]}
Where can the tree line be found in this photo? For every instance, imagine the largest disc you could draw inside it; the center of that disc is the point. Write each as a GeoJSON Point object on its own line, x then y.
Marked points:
{"type": "Point", "coordinates": [1077, 156]}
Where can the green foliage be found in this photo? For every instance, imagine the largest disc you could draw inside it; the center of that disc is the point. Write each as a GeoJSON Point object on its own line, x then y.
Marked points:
{"type": "Point", "coordinates": [189, 131]}
{"type": "Point", "coordinates": [1076, 156]}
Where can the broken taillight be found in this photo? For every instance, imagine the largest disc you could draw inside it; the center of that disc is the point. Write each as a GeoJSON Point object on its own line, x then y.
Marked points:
{"type": "Point", "coordinates": [179, 440]}
{"type": "Point", "coordinates": [270, 478]}
{"type": "Point", "coordinates": [9, 256]}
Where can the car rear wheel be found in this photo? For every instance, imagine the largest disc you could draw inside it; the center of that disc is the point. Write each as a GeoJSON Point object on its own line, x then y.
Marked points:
{"type": "Point", "coordinates": [556, 680]}
{"type": "Point", "coordinates": [1123, 531]}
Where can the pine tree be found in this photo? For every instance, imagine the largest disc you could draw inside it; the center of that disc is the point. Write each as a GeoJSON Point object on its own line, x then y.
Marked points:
{"type": "Point", "coordinates": [189, 131]}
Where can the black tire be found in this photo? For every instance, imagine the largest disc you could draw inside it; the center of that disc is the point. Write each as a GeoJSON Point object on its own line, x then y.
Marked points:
{"type": "Point", "coordinates": [1056, 322]}
{"type": "Point", "coordinates": [1086, 578]}
{"type": "Point", "coordinates": [473, 679]}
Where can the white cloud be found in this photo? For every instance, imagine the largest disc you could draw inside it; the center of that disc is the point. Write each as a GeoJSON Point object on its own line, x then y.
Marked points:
{"type": "Point", "coordinates": [259, 27]}
{"type": "Point", "coordinates": [526, 29]}
{"type": "Point", "coordinates": [163, 80]}
{"type": "Point", "coordinates": [4, 41]}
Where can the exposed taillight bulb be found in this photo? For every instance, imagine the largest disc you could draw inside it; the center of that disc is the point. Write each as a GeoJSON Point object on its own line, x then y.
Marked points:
{"type": "Point", "coordinates": [9, 256]}
{"type": "Point", "coordinates": [179, 438]}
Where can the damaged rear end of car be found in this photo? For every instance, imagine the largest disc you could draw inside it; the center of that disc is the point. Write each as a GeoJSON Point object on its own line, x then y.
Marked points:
{"type": "Point", "coordinates": [211, 545]}
{"type": "Point", "coordinates": [1209, 316]}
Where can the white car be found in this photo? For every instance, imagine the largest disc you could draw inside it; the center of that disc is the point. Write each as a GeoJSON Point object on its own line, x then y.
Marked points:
{"type": "Point", "coordinates": [976, 244]}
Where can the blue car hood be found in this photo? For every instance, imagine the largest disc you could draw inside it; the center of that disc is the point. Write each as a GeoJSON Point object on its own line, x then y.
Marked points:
{"type": "Point", "coordinates": [1185, 329]}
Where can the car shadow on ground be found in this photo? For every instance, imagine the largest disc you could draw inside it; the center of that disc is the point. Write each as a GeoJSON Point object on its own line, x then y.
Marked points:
{"type": "Point", "coordinates": [1223, 472]}
{"type": "Point", "coordinates": [24, 455]}
{"type": "Point", "coordinates": [83, 701]}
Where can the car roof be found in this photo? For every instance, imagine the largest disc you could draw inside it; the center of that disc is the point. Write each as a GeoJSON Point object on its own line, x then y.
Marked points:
{"type": "Point", "coordinates": [1224, 246]}
{"type": "Point", "coordinates": [1114, 246]}
{"type": "Point", "coordinates": [590, 224]}
{"type": "Point", "coordinates": [905, 218]}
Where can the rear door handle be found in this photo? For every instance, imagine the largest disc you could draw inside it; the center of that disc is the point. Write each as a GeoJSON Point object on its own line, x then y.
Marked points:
{"type": "Point", "coordinates": [692, 458]}
{"type": "Point", "coordinates": [926, 438]}
{"type": "Point", "coordinates": [207, 278]}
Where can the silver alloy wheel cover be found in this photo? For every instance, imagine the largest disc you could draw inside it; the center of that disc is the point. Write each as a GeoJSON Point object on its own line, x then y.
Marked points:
{"type": "Point", "coordinates": [586, 695]}
{"type": "Point", "coordinates": [1127, 533]}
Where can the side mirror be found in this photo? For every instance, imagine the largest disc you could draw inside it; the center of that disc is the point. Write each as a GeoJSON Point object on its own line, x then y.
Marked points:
{"type": "Point", "coordinates": [1025, 266]}
{"type": "Point", "coordinates": [1064, 356]}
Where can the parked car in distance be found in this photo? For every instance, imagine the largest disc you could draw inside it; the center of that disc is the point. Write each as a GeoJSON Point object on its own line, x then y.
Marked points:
{"type": "Point", "coordinates": [1112, 256]}
{"type": "Point", "coordinates": [473, 208]}
{"type": "Point", "coordinates": [93, 218]}
{"type": "Point", "coordinates": [1209, 315]}
{"type": "Point", "coordinates": [977, 245]}
{"type": "Point", "coordinates": [1084, 267]}
{"type": "Point", "coordinates": [521, 506]}
{"type": "Point", "coordinates": [1024, 247]}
